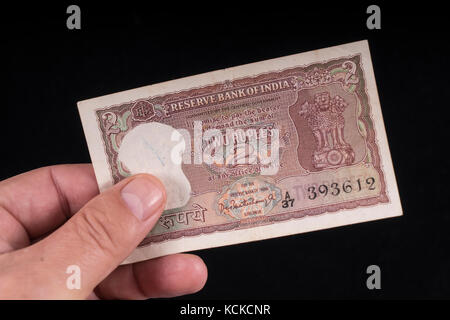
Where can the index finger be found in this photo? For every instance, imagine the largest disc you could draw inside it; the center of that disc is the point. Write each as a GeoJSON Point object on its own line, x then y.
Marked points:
{"type": "Point", "coordinates": [43, 199]}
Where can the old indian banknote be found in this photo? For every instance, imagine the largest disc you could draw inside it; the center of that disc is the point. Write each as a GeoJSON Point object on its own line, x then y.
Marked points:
{"type": "Point", "coordinates": [267, 149]}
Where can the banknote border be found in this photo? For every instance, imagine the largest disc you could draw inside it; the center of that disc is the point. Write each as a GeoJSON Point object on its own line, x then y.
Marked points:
{"type": "Point", "coordinates": [371, 143]}
{"type": "Point", "coordinates": [87, 109]}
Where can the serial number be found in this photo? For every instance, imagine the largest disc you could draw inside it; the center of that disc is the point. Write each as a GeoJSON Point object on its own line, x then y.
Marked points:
{"type": "Point", "coordinates": [335, 188]}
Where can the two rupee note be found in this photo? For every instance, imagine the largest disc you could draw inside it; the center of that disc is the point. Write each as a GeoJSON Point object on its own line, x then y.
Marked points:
{"type": "Point", "coordinates": [267, 149]}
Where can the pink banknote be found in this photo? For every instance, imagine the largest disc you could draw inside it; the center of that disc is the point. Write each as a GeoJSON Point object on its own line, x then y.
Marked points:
{"type": "Point", "coordinates": [325, 160]}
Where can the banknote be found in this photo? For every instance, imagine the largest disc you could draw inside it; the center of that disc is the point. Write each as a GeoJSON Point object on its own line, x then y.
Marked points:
{"type": "Point", "coordinates": [263, 150]}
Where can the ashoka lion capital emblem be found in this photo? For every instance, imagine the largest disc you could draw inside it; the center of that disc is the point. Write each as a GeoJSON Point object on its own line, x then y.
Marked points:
{"type": "Point", "coordinates": [324, 117]}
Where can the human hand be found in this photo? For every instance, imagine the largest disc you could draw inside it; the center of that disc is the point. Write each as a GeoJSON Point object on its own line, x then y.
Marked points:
{"type": "Point", "coordinates": [96, 232]}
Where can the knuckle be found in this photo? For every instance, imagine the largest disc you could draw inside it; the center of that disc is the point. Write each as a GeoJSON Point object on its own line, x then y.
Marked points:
{"type": "Point", "coordinates": [95, 229]}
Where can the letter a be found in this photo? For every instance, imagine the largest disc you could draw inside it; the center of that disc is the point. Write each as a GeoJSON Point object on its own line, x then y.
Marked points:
{"type": "Point", "coordinates": [374, 20]}
{"type": "Point", "coordinates": [74, 20]}
{"type": "Point", "coordinates": [374, 281]}
{"type": "Point", "coordinates": [74, 280]}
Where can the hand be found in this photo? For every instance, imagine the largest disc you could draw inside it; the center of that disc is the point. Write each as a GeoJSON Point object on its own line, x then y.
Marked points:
{"type": "Point", "coordinates": [60, 206]}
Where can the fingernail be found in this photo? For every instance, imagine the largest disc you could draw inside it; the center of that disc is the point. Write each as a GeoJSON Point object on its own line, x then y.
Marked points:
{"type": "Point", "coordinates": [143, 197]}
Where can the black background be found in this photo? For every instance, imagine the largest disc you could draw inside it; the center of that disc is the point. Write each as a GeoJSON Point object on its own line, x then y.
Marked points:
{"type": "Point", "coordinates": [48, 68]}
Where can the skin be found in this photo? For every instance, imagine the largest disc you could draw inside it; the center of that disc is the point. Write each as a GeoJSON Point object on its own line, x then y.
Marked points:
{"type": "Point", "coordinates": [54, 217]}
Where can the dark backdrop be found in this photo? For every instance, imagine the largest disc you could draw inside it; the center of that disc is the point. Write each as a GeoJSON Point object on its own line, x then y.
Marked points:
{"type": "Point", "coordinates": [48, 68]}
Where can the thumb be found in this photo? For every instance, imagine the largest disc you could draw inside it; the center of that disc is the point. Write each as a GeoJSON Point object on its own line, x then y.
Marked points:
{"type": "Point", "coordinates": [95, 240]}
